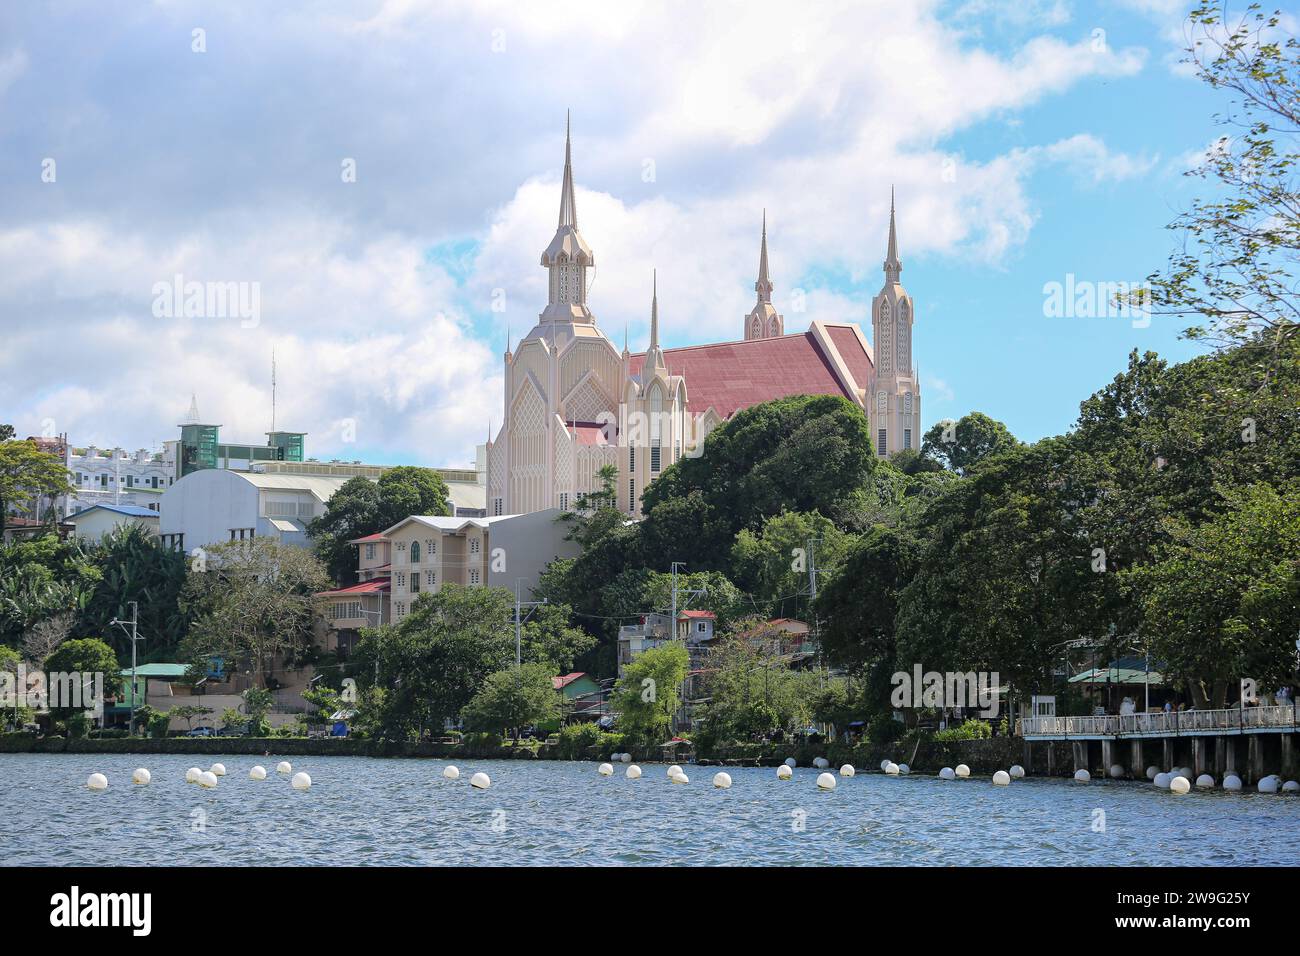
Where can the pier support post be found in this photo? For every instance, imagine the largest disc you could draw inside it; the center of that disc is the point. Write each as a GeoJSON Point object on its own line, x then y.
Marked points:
{"type": "Point", "coordinates": [1167, 757]}
{"type": "Point", "coordinates": [1220, 757]}
{"type": "Point", "coordinates": [1288, 757]}
{"type": "Point", "coordinates": [1081, 755]}
{"type": "Point", "coordinates": [1229, 745]}
{"type": "Point", "coordinates": [1135, 763]}
{"type": "Point", "coordinates": [1107, 757]}
{"type": "Point", "coordinates": [1198, 756]}
{"type": "Point", "coordinates": [1255, 757]}
{"type": "Point", "coordinates": [1051, 757]}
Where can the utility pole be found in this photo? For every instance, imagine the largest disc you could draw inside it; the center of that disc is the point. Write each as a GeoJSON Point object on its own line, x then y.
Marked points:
{"type": "Point", "coordinates": [519, 622]}
{"type": "Point", "coordinates": [135, 636]}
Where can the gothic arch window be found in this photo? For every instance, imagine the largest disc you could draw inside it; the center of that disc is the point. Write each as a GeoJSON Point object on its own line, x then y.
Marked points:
{"type": "Point", "coordinates": [415, 552]}
{"type": "Point", "coordinates": [885, 347]}
{"type": "Point", "coordinates": [901, 342]}
{"type": "Point", "coordinates": [756, 330]}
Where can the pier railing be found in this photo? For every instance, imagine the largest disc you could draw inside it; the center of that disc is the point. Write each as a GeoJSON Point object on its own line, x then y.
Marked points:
{"type": "Point", "coordinates": [1234, 720]}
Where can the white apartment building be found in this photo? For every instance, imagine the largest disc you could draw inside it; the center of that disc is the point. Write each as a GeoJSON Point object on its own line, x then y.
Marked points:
{"type": "Point", "coordinates": [112, 476]}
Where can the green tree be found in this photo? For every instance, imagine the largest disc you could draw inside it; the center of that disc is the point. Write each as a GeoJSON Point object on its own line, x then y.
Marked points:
{"type": "Point", "coordinates": [188, 713]}
{"type": "Point", "coordinates": [27, 474]}
{"type": "Point", "coordinates": [253, 604]}
{"type": "Point", "coordinates": [410, 490]}
{"type": "Point", "coordinates": [647, 695]}
{"type": "Point", "coordinates": [753, 693]}
{"type": "Point", "coordinates": [258, 702]}
{"type": "Point", "coordinates": [512, 699]}
{"type": "Point", "coordinates": [86, 657]}
{"type": "Point", "coordinates": [548, 638]}
{"type": "Point", "coordinates": [772, 564]}
{"type": "Point", "coordinates": [963, 444]}
{"type": "Point", "coordinates": [1234, 269]}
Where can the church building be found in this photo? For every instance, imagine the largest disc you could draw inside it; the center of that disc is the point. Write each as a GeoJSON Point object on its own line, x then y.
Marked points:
{"type": "Point", "coordinates": [575, 403]}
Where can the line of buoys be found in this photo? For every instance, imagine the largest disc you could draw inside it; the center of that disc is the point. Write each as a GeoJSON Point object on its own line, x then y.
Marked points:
{"type": "Point", "coordinates": [1179, 784]}
{"type": "Point", "coordinates": [791, 762]}
{"type": "Point", "coordinates": [284, 767]}
{"type": "Point", "coordinates": [1082, 776]}
{"type": "Point", "coordinates": [480, 781]}
{"type": "Point", "coordinates": [301, 781]}
{"type": "Point", "coordinates": [892, 768]}
{"type": "Point", "coordinates": [1001, 778]}
{"type": "Point", "coordinates": [1116, 771]}
{"type": "Point", "coordinates": [784, 772]}
{"type": "Point", "coordinates": [451, 772]}
{"type": "Point", "coordinates": [97, 781]}
{"type": "Point", "coordinates": [1152, 771]}
{"type": "Point", "coordinates": [947, 773]}
{"type": "Point", "coordinates": [722, 780]}
{"type": "Point", "coordinates": [847, 770]}
{"type": "Point", "coordinates": [257, 773]}
{"type": "Point", "coordinates": [679, 776]}
{"type": "Point", "coordinates": [821, 763]}
{"type": "Point", "coordinates": [141, 776]}
{"type": "Point", "coordinates": [207, 780]}
{"type": "Point", "coordinates": [1016, 771]}
{"type": "Point", "coordinates": [826, 781]}
{"type": "Point", "coordinates": [1205, 782]}
{"type": "Point", "coordinates": [633, 772]}
{"type": "Point", "coordinates": [217, 770]}
{"type": "Point", "coordinates": [605, 770]}
{"type": "Point", "coordinates": [1231, 782]}
{"type": "Point", "coordinates": [962, 771]}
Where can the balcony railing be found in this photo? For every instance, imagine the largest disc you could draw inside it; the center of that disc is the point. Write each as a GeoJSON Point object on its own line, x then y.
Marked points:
{"type": "Point", "coordinates": [1172, 723]}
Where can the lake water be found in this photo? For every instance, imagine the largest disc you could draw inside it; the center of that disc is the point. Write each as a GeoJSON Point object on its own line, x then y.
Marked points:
{"type": "Point", "coordinates": [402, 812]}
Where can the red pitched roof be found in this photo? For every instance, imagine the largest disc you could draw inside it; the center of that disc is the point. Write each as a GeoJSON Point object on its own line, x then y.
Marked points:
{"type": "Point", "coordinates": [708, 614]}
{"type": "Point", "coordinates": [369, 537]}
{"type": "Point", "coordinates": [559, 683]}
{"type": "Point", "coordinates": [730, 376]}
{"type": "Point", "coordinates": [365, 587]}
{"type": "Point", "coordinates": [587, 433]}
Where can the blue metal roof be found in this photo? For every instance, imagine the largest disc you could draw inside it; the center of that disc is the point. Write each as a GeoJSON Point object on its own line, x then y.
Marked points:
{"type": "Point", "coordinates": [134, 511]}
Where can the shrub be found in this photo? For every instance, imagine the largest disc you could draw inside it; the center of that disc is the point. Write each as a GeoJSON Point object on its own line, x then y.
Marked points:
{"type": "Point", "coordinates": [972, 729]}
{"type": "Point", "coordinates": [884, 729]}
{"type": "Point", "coordinates": [576, 739]}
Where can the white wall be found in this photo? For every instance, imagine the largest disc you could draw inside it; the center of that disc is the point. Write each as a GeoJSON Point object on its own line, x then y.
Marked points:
{"type": "Point", "coordinates": [530, 542]}
{"type": "Point", "coordinates": [95, 524]}
{"type": "Point", "coordinates": [206, 504]}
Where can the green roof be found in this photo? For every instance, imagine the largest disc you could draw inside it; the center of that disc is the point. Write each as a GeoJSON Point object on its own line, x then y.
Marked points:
{"type": "Point", "coordinates": [157, 670]}
{"type": "Point", "coordinates": [1117, 675]}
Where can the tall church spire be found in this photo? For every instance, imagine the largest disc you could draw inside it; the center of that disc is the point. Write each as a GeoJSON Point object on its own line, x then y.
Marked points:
{"type": "Point", "coordinates": [764, 284]}
{"type": "Point", "coordinates": [892, 265]}
{"type": "Point", "coordinates": [654, 357]}
{"type": "Point", "coordinates": [568, 257]}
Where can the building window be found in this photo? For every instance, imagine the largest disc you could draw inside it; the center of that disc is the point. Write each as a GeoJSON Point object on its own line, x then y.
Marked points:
{"type": "Point", "coordinates": [881, 444]}
{"type": "Point", "coordinates": [130, 481]}
{"type": "Point", "coordinates": [631, 457]}
{"type": "Point", "coordinates": [701, 627]}
{"type": "Point", "coordinates": [415, 583]}
{"type": "Point", "coordinates": [474, 545]}
{"type": "Point", "coordinates": [473, 575]}
{"type": "Point", "coordinates": [430, 547]}
{"type": "Point", "coordinates": [399, 609]}
{"type": "Point", "coordinates": [401, 579]}
{"type": "Point", "coordinates": [430, 578]}
{"type": "Point", "coordinates": [496, 506]}
{"type": "Point", "coordinates": [370, 552]}
{"type": "Point", "coordinates": [907, 438]}
{"type": "Point", "coordinates": [564, 500]}
{"type": "Point", "coordinates": [631, 496]}
{"type": "Point", "coordinates": [654, 458]}
{"type": "Point", "coordinates": [415, 552]}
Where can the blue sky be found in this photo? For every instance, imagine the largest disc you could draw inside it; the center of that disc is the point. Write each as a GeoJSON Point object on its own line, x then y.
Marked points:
{"type": "Point", "coordinates": [1026, 141]}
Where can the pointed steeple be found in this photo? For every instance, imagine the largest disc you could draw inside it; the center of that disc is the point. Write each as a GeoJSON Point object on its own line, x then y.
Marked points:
{"type": "Point", "coordinates": [892, 265]}
{"type": "Point", "coordinates": [654, 356]}
{"type": "Point", "coordinates": [568, 204]}
{"type": "Point", "coordinates": [764, 284]}
{"type": "Point", "coordinates": [192, 417]}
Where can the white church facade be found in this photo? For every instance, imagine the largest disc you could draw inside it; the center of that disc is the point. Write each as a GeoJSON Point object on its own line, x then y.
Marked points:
{"type": "Point", "coordinates": [575, 403]}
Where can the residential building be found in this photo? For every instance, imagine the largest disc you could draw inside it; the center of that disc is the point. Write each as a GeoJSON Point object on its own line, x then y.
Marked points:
{"type": "Point", "coordinates": [116, 477]}
{"type": "Point", "coordinates": [694, 628]}
{"type": "Point", "coordinates": [574, 404]}
{"type": "Point", "coordinates": [91, 524]}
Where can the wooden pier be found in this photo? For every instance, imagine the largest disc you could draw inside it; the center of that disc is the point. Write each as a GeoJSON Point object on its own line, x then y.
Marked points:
{"type": "Point", "coordinates": [1206, 740]}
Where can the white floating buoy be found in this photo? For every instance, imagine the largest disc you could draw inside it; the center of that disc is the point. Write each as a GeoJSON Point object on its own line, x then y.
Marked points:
{"type": "Point", "coordinates": [633, 772]}
{"type": "Point", "coordinates": [301, 781]}
{"type": "Point", "coordinates": [904, 768]}
{"type": "Point", "coordinates": [97, 781]}
{"type": "Point", "coordinates": [192, 775]}
{"type": "Point", "coordinates": [1179, 785]}
{"type": "Point", "coordinates": [1162, 780]}
{"type": "Point", "coordinates": [1082, 776]}
{"type": "Point", "coordinates": [962, 771]}
{"type": "Point", "coordinates": [1290, 786]}
{"type": "Point", "coordinates": [1205, 781]}
{"type": "Point", "coordinates": [1116, 771]}
{"type": "Point", "coordinates": [1268, 785]}
{"type": "Point", "coordinates": [821, 763]}
{"type": "Point", "coordinates": [451, 772]}
{"type": "Point", "coordinates": [826, 781]}
{"type": "Point", "coordinates": [625, 758]}
{"type": "Point", "coordinates": [217, 770]}
{"type": "Point", "coordinates": [1231, 782]}
{"type": "Point", "coordinates": [673, 771]}
{"type": "Point", "coordinates": [1152, 771]}
{"type": "Point", "coordinates": [1185, 772]}
{"type": "Point", "coordinates": [784, 772]}
{"type": "Point", "coordinates": [605, 770]}
{"type": "Point", "coordinates": [480, 781]}
{"type": "Point", "coordinates": [680, 777]}
{"type": "Point", "coordinates": [892, 768]}
{"type": "Point", "coordinates": [207, 780]}
{"type": "Point", "coordinates": [1001, 778]}
{"type": "Point", "coordinates": [847, 770]}
{"type": "Point", "coordinates": [141, 776]}
{"type": "Point", "coordinates": [722, 780]}
{"type": "Point", "coordinates": [284, 767]}
{"type": "Point", "coordinates": [884, 763]}
{"type": "Point", "coordinates": [791, 762]}
{"type": "Point", "coordinates": [947, 773]}
{"type": "Point", "coordinates": [257, 773]}
{"type": "Point", "coordinates": [1016, 771]}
